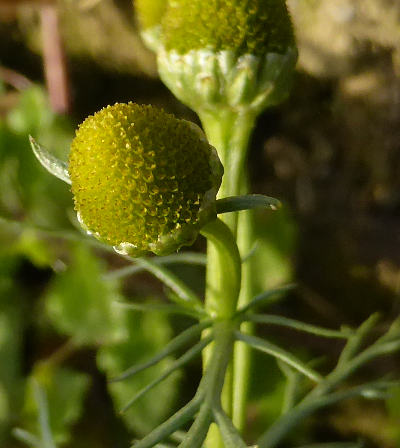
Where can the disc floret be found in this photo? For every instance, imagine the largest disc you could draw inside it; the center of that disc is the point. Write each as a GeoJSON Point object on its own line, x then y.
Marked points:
{"type": "Point", "coordinates": [142, 179]}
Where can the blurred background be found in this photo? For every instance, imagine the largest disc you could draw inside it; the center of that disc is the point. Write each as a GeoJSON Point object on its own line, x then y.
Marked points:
{"type": "Point", "coordinates": [331, 153]}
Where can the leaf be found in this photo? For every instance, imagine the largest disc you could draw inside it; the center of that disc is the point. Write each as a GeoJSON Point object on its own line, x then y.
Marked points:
{"type": "Point", "coordinates": [179, 287]}
{"type": "Point", "coordinates": [247, 202]}
{"type": "Point", "coordinates": [146, 335]}
{"type": "Point", "coordinates": [65, 390]}
{"type": "Point", "coordinates": [79, 301]}
{"type": "Point", "coordinates": [271, 319]}
{"type": "Point", "coordinates": [52, 164]}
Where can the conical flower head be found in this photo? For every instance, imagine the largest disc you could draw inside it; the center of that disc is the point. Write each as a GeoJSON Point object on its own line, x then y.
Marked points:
{"type": "Point", "coordinates": [252, 27]}
{"type": "Point", "coordinates": [142, 179]}
{"type": "Point", "coordinates": [150, 14]}
{"type": "Point", "coordinates": [229, 54]}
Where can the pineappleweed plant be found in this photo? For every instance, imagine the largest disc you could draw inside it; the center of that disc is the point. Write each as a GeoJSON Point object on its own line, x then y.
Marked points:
{"type": "Point", "coordinates": [146, 182]}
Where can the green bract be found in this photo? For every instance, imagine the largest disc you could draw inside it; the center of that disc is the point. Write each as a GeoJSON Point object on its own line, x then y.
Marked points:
{"type": "Point", "coordinates": [232, 54]}
{"type": "Point", "coordinates": [150, 13]}
{"type": "Point", "coordinates": [142, 179]}
{"type": "Point", "coordinates": [252, 27]}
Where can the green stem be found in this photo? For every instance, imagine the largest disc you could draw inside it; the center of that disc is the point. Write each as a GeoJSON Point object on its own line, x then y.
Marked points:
{"type": "Point", "coordinates": [217, 377]}
{"type": "Point", "coordinates": [224, 270]}
{"type": "Point", "coordinates": [229, 132]}
{"type": "Point", "coordinates": [222, 293]}
{"type": "Point", "coordinates": [242, 353]}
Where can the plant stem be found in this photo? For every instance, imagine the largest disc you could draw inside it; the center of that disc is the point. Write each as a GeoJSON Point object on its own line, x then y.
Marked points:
{"type": "Point", "coordinates": [222, 293]}
{"type": "Point", "coordinates": [229, 132]}
{"type": "Point", "coordinates": [242, 353]}
{"type": "Point", "coordinates": [224, 270]}
{"type": "Point", "coordinates": [217, 376]}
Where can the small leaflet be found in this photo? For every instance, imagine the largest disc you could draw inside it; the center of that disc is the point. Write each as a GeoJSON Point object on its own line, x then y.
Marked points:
{"type": "Point", "coordinates": [52, 164]}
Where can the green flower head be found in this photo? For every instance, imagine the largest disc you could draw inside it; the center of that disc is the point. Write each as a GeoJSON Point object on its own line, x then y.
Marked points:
{"type": "Point", "coordinates": [142, 179]}
{"type": "Point", "coordinates": [227, 54]}
{"type": "Point", "coordinates": [245, 26]}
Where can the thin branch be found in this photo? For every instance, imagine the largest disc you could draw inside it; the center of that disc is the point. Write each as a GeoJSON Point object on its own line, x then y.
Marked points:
{"type": "Point", "coordinates": [292, 385]}
{"type": "Point", "coordinates": [180, 362]}
{"type": "Point", "coordinates": [279, 353]}
{"type": "Point", "coordinates": [198, 431]}
{"type": "Point", "coordinates": [354, 343]}
{"type": "Point", "coordinates": [166, 308]}
{"type": "Point", "coordinates": [171, 425]}
{"type": "Point", "coordinates": [26, 437]}
{"type": "Point", "coordinates": [183, 258]}
{"type": "Point", "coordinates": [172, 281]}
{"type": "Point", "coordinates": [175, 344]}
{"type": "Point", "coordinates": [265, 298]}
{"type": "Point", "coordinates": [297, 325]}
{"type": "Point", "coordinates": [282, 427]}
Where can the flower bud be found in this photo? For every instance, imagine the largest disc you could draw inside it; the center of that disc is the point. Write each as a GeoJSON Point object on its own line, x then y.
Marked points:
{"type": "Point", "coordinates": [150, 13]}
{"type": "Point", "coordinates": [228, 53]}
{"type": "Point", "coordinates": [142, 179]}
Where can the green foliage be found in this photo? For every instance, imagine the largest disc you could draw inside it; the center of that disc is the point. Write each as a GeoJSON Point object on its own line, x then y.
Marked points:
{"type": "Point", "coordinates": [11, 325]}
{"type": "Point", "coordinates": [26, 190]}
{"type": "Point", "coordinates": [38, 251]}
{"type": "Point", "coordinates": [33, 115]}
{"type": "Point", "coordinates": [145, 336]}
{"type": "Point", "coordinates": [79, 301]}
{"type": "Point", "coordinates": [65, 391]}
